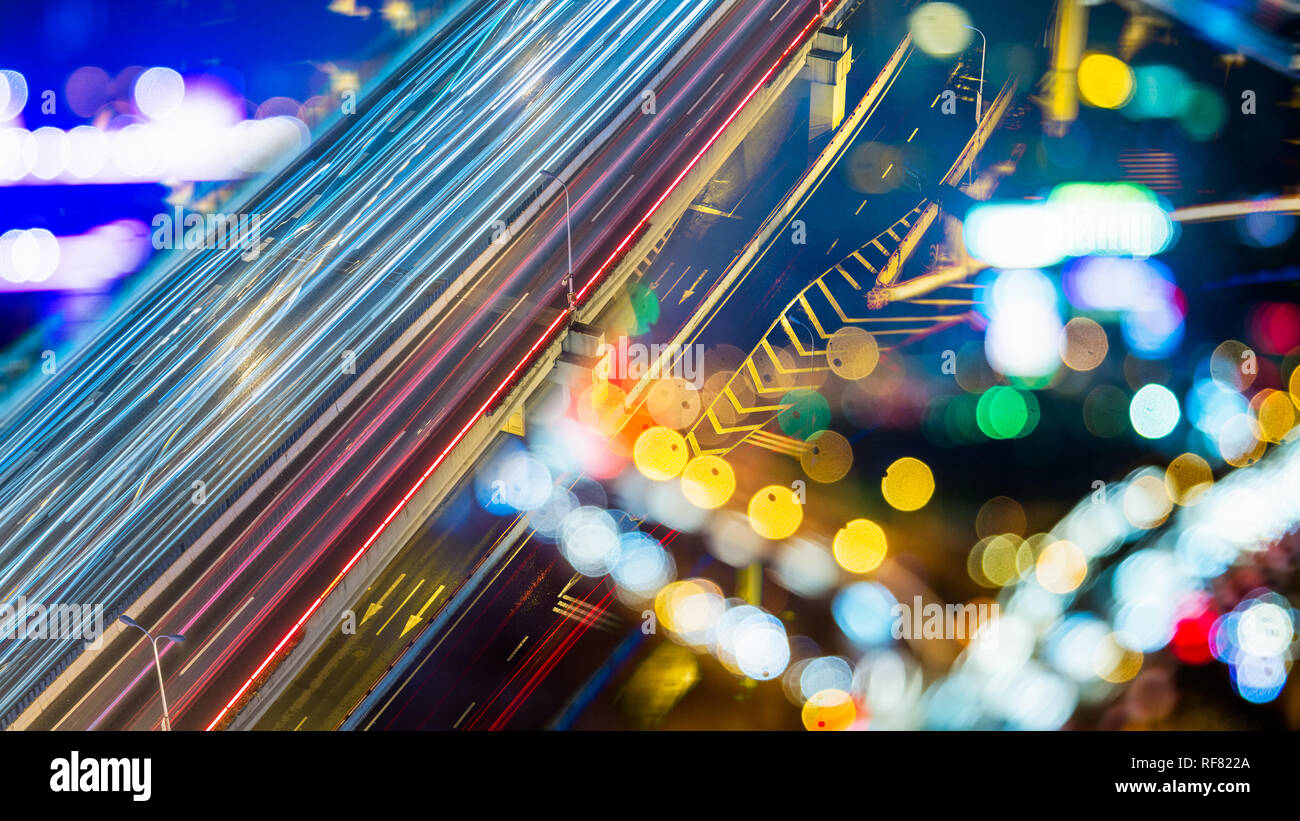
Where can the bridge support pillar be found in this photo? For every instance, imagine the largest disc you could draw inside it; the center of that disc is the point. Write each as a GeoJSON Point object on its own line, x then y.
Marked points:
{"type": "Point", "coordinates": [827, 68]}
{"type": "Point", "coordinates": [579, 353]}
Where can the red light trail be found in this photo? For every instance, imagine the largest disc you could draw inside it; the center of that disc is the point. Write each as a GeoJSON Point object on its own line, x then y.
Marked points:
{"type": "Point", "coordinates": [523, 363]}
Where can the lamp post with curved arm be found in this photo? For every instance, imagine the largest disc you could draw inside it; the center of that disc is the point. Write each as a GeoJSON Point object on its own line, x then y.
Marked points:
{"type": "Point", "coordinates": [979, 95]}
{"type": "Point", "coordinates": [568, 232]}
{"type": "Point", "coordinates": [153, 641]}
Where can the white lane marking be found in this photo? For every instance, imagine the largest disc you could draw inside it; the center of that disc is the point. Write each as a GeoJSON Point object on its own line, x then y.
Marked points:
{"type": "Point", "coordinates": [516, 650]}
{"type": "Point", "coordinates": [381, 455]}
{"type": "Point", "coordinates": [502, 320]}
{"type": "Point", "coordinates": [705, 94]}
{"type": "Point", "coordinates": [572, 581]}
{"type": "Point", "coordinates": [208, 643]}
{"type": "Point", "coordinates": [612, 197]}
{"type": "Point", "coordinates": [462, 715]}
{"type": "Point", "coordinates": [778, 11]}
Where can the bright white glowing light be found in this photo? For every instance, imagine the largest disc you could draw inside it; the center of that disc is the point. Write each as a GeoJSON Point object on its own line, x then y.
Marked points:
{"type": "Point", "coordinates": [1077, 219]}
{"type": "Point", "coordinates": [826, 673]}
{"type": "Point", "coordinates": [1038, 699]}
{"type": "Point", "coordinates": [1072, 646]}
{"type": "Point", "coordinates": [87, 151]}
{"type": "Point", "coordinates": [259, 144]}
{"type": "Point", "coordinates": [547, 517]}
{"type": "Point", "coordinates": [526, 483]}
{"type": "Point", "coordinates": [12, 164]}
{"type": "Point", "coordinates": [725, 632]}
{"type": "Point", "coordinates": [1014, 235]}
{"type": "Point", "coordinates": [46, 153]}
{"type": "Point", "coordinates": [643, 566]}
{"type": "Point", "coordinates": [940, 29]}
{"type": "Point", "coordinates": [1146, 625]}
{"type": "Point", "coordinates": [762, 647]}
{"type": "Point", "coordinates": [158, 92]}
{"type": "Point", "coordinates": [1204, 552]}
{"type": "Point", "coordinates": [806, 569]}
{"type": "Point", "coordinates": [1154, 411]}
{"type": "Point", "coordinates": [174, 149]}
{"type": "Point", "coordinates": [1209, 406]}
{"type": "Point", "coordinates": [139, 151]}
{"type": "Point", "coordinates": [36, 260]}
{"type": "Point", "coordinates": [1106, 283]}
{"type": "Point", "coordinates": [888, 683]}
{"type": "Point", "coordinates": [1025, 345]}
{"type": "Point", "coordinates": [28, 256]}
{"type": "Point", "coordinates": [1002, 645]}
{"type": "Point", "coordinates": [1265, 629]}
{"type": "Point", "coordinates": [589, 539]}
{"type": "Point", "coordinates": [13, 94]}
{"type": "Point", "coordinates": [1259, 679]}
{"type": "Point", "coordinates": [1150, 574]}
{"type": "Point", "coordinates": [7, 270]}
{"type": "Point", "coordinates": [1025, 324]}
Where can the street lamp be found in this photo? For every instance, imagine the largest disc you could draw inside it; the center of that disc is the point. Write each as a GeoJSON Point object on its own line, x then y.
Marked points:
{"type": "Point", "coordinates": [979, 95]}
{"type": "Point", "coordinates": [568, 233]}
{"type": "Point", "coordinates": [174, 637]}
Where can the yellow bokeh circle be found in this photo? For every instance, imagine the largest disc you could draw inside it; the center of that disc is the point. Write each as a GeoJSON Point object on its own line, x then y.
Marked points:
{"type": "Point", "coordinates": [708, 481]}
{"type": "Point", "coordinates": [1276, 415]}
{"type": "Point", "coordinates": [775, 512]}
{"type": "Point", "coordinates": [1105, 81]}
{"type": "Point", "coordinates": [660, 453]}
{"type": "Point", "coordinates": [829, 710]}
{"type": "Point", "coordinates": [908, 484]}
{"type": "Point", "coordinates": [1187, 477]}
{"type": "Point", "coordinates": [860, 546]}
{"type": "Point", "coordinates": [826, 457]}
{"type": "Point", "coordinates": [1061, 567]}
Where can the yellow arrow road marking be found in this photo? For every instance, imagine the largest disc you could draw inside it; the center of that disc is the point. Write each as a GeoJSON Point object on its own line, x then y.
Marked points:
{"type": "Point", "coordinates": [400, 606]}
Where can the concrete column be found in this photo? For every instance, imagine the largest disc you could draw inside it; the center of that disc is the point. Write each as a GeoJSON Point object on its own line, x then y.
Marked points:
{"type": "Point", "coordinates": [827, 69]}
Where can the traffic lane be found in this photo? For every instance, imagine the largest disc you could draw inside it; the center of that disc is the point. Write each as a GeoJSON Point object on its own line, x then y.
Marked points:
{"type": "Point", "coordinates": [705, 244]}
{"type": "Point", "coordinates": [340, 673]}
{"type": "Point", "coordinates": [726, 75]}
{"type": "Point", "coordinates": [232, 595]}
{"type": "Point", "coordinates": [327, 524]}
{"type": "Point", "coordinates": [918, 135]}
{"type": "Point", "coordinates": [484, 385]}
{"type": "Point", "coordinates": [697, 101]}
{"type": "Point", "coordinates": [502, 665]}
{"type": "Point", "coordinates": [133, 363]}
{"type": "Point", "coordinates": [216, 580]}
{"type": "Point", "coordinates": [143, 527]}
{"type": "Point", "coordinates": [300, 303]}
{"type": "Point", "coordinates": [759, 70]}
{"type": "Point", "coordinates": [531, 686]}
{"type": "Point", "coordinates": [333, 683]}
{"type": "Point", "coordinates": [489, 382]}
